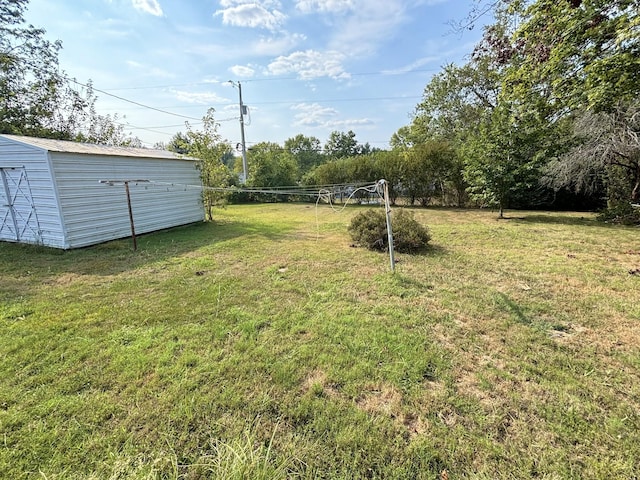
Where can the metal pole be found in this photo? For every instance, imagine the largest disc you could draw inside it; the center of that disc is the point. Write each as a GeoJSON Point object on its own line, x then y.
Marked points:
{"type": "Point", "coordinates": [244, 147]}
{"type": "Point", "coordinates": [133, 230]}
{"type": "Point", "coordinates": [387, 208]}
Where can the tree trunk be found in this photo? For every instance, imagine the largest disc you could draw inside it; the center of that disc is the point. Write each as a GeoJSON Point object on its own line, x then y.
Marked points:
{"type": "Point", "coordinates": [635, 193]}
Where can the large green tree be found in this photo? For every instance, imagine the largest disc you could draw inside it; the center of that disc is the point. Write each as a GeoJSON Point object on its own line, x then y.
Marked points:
{"type": "Point", "coordinates": [583, 54]}
{"type": "Point", "coordinates": [455, 101]}
{"type": "Point", "coordinates": [270, 166]}
{"type": "Point", "coordinates": [583, 58]}
{"type": "Point", "coordinates": [306, 150]}
{"type": "Point", "coordinates": [344, 144]}
{"type": "Point", "coordinates": [505, 157]}
{"type": "Point", "coordinates": [30, 85]}
{"type": "Point", "coordinates": [36, 97]}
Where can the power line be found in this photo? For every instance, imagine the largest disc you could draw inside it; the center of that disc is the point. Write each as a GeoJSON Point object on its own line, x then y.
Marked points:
{"type": "Point", "coordinates": [91, 87]}
{"type": "Point", "coordinates": [338, 100]}
{"type": "Point", "coordinates": [294, 102]}
{"type": "Point", "coordinates": [275, 79]}
{"type": "Point", "coordinates": [129, 101]}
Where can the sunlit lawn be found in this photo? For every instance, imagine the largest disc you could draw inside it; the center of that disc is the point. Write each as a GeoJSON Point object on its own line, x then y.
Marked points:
{"type": "Point", "coordinates": [264, 345]}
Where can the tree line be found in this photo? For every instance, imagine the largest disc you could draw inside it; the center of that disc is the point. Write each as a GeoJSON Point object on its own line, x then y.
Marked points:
{"type": "Point", "coordinates": [547, 104]}
{"type": "Point", "coordinates": [544, 113]}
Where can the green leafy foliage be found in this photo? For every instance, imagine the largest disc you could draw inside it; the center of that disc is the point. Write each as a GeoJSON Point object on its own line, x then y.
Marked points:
{"type": "Point", "coordinates": [369, 229]}
{"type": "Point", "coordinates": [623, 213]}
{"type": "Point", "coordinates": [428, 167]}
{"type": "Point", "coordinates": [505, 157]}
{"type": "Point", "coordinates": [307, 152]}
{"type": "Point", "coordinates": [585, 54]}
{"type": "Point", "coordinates": [270, 166]}
{"type": "Point", "coordinates": [341, 145]}
{"type": "Point", "coordinates": [36, 98]}
{"type": "Point", "coordinates": [207, 146]}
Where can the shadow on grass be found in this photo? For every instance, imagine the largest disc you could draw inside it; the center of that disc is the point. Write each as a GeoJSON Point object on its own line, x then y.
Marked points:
{"type": "Point", "coordinates": [515, 309]}
{"type": "Point", "coordinates": [117, 256]}
{"type": "Point", "coordinates": [560, 220]}
{"type": "Point", "coordinates": [429, 251]}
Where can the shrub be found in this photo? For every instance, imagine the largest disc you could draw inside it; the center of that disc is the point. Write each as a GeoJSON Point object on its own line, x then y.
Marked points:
{"type": "Point", "coordinates": [621, 212]}
{"type": "Point", "coordinates": [408, 234]}
{"type": "Point", "coordinates": [369, 229]}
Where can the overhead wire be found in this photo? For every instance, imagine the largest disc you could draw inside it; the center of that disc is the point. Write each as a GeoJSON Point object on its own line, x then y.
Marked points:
{"type": "Point", "coordinates": [90, 86]}
{"type": "Point", "coordinates": [129, 101]}
{"type": "Point", "coordinates": [274, 79]}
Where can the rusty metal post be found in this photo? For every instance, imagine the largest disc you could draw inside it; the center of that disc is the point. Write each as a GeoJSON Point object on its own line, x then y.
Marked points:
{"type": "Point", "coordinates": [133, 229]}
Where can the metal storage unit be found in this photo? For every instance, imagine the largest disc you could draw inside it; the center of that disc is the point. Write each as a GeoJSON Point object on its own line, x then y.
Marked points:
{"type": "Point", "coordinates": [51, 191]}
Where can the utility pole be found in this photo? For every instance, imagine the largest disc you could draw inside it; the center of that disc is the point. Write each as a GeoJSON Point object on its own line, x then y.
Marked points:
{"type": "Point", "coordinates": [243, 111]}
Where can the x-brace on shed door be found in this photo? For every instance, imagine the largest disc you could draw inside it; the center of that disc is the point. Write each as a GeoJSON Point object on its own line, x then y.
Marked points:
{"type": "Point", "coordinates": [18, 219]}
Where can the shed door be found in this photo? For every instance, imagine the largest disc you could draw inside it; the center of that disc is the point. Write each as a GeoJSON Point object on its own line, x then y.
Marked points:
{"type": "Point", "coordinates": [18, 220]}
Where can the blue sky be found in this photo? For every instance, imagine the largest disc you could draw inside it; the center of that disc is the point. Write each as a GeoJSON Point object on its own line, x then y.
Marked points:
{"type": "Point", "coordinates": [306, 66]}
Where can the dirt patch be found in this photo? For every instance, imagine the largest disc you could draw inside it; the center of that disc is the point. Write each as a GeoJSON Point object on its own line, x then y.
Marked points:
{"type": "Point", "coordinates": [65, 279]}
{"type": "Point", "coordinates": [568, 333]}
{"type": "Point", "coordinates": [383, 399]}
{"type": "Point", "coordinates": [316, 377]}
{"type": "Point", "coordinates": [619, 333]}
{"type": "Point", "coordinates": [414, 424]}
{"type": "Point", "coordinates": [386, 400]}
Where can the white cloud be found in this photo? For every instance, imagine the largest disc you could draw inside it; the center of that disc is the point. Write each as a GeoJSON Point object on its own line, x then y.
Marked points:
{"type": "Point", "coordinates": [242, 13]}
{"type": "Point", "coordinates": [277, 46]}
{"type": "Point", "coordinates": [242, 71]}
{"type": "Point", "coordinates": [265, 3]}
{"type": "Point", "coordinates": [325, 6]}
{"type": "Point", "coordinates": [230, 109]}
{"type": "Point", "coordinates": [370, 24]}
{"type": "Point", "coordinates": [148, 6]}
{"type": "Point", "coordinates": [312, 115]}
{"type": "Point", "coordinates": [134, 64]}
{"type": "Point", "coordinates": [349, 123]}
{"type": "Point", "coordinates": [200, 98]}
{"type": "Point", "coordinates": [310, 64]}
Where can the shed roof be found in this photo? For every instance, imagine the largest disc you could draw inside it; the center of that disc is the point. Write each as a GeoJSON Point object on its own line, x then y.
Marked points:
{"type": "Point", "coordinates": [65, 146]}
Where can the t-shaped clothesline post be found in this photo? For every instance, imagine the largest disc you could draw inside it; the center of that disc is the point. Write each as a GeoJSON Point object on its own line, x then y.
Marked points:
{"type": "Point", "coordinates": [126, 189]}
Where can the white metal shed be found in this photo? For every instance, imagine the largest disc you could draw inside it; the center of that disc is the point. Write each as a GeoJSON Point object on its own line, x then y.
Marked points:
{"type": "Point", "coordinates": [50, 191]}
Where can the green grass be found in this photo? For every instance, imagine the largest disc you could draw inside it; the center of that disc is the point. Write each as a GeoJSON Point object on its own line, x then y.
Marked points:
{"type": "Point", "coordinates": [262, 345]}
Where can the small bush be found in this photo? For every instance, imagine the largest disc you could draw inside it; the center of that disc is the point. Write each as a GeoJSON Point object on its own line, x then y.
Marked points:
{"type": "Point", "coordinates": [369, 229]}
{"type": "Point", "coordinates": [622, 213]}
{"type": "Point", "coordinates": [408, 234]}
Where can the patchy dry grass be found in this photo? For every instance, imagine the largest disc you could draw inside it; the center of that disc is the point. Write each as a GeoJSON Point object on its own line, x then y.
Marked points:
{"type": "Point", "coordinates": [263, 346]}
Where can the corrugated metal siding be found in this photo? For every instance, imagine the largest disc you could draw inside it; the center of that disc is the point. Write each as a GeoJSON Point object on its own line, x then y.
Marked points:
{"type": "Point", "coordinates": [65, 146]}
{"type": "Point", "coordinates": [36, 165]}
{"type": "Point", "coordinates": [95, 212]}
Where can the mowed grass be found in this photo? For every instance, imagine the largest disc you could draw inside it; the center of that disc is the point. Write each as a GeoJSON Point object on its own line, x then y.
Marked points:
{"type": "Point", "coordinates": [263, 345]}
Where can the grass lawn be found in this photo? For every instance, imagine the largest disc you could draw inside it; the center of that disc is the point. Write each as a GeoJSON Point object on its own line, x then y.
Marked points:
{"type": "Point", "coordinates": [263, 345]}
